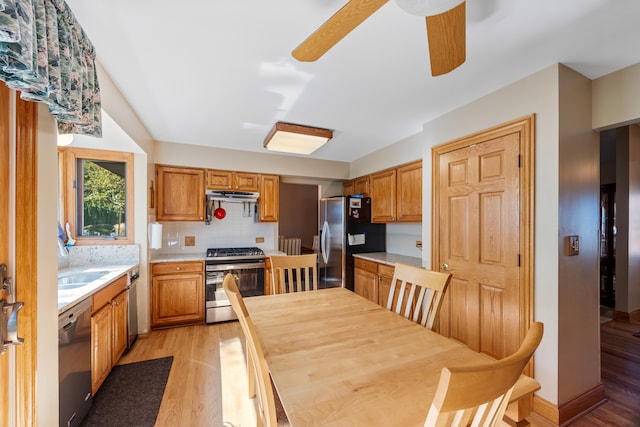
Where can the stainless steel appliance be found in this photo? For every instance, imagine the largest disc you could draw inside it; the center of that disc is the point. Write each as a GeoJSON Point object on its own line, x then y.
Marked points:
{"type": "Point", "coordinates": [132, 304]}
{"type": "Point", "coordinates": [74, 363]}
{"type": "Point", "coordinates": [247, 266]}
{"type": "Point", "coordinates": [346, 229]}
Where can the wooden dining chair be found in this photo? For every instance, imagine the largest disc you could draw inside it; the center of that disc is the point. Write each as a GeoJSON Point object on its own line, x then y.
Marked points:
{"type": "Point", "coordinates": [257, 368]}
{"type": "Point", "coordinates": [293, 273]}
{"type": "Point", "coordinates": [421, 307]}
{"type": "Point", "coordinates": [478, 395]}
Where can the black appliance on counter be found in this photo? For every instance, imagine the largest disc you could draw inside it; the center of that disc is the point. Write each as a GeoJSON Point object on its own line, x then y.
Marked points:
{"type": "Point", "coordinates": [346, 229]}
{"type": "Point", "coordinates": [247, 266]}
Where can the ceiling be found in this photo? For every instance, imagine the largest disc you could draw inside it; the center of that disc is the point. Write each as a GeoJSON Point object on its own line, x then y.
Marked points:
{"type": "Point", "coordinates": [220, 73]}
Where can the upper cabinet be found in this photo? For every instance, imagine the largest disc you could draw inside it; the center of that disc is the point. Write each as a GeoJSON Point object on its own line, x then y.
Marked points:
{"type": "Point", "coordinates": [409, 192]}
{"type": "Point", "coordinates": [180, 193]}
{"type": "Point", "coordinates": [269, 198]}
{"type": "Point", "coordinates": [357, 186]}
{"type": "Point", "coordinates": [396, 194]}
{"type": "Point", "coordinates": [233, 181]}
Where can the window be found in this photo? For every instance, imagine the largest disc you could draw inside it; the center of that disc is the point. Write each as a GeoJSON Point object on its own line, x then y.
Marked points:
{"type": "Point", "coordinates": [98, 195]}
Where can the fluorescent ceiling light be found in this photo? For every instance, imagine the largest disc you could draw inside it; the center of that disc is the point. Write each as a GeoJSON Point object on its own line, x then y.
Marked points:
{"type": "Point", "coordinates": [297, 139]}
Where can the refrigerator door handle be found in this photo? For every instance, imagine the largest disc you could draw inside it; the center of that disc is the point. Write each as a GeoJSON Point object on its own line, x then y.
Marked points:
{"type": "Point", "coordinates": [323, 242]}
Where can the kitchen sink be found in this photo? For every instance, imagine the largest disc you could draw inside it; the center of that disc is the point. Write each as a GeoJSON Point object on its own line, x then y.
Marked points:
{"type": "Point", "coordinates": [76, 280]}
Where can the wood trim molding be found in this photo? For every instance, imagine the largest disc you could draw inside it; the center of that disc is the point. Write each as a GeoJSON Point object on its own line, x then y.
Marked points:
{"type": "Point", "coordinates": [5, 182]}
{"type": "Point", "coordinates": [26, 253]}
{"type": "Point", "coordinates": [526, 127]}
{"type": "Point", "coordinates": [633, 317]}
{"type": "Point", "coordinates": [569, 411]}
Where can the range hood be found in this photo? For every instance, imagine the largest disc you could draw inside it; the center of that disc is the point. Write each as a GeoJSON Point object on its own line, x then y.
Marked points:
{"type": "Point", "coordinates": [232, 196]}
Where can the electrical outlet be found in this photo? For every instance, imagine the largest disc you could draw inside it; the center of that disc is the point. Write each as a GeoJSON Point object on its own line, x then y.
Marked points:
{"type": "Point", "coordinates": [259, 239]}
{"type": "Point", "coordinates": [189, 240]}
{"type": "Point", "coordinates": [419, 244]}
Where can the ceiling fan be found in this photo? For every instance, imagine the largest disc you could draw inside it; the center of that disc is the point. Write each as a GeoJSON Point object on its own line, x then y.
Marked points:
{"type": "Point", "coordinates": [446, 30]}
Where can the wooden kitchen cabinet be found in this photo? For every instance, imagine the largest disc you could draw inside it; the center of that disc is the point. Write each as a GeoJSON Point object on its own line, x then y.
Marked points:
{"type": "Point", "coordinates": [365, 279]}
{"type": "Point", "coordinates": [177, 293]}
{"type": "Point", "coordinates": [348, 188]}
{"type": "Point", "coordinates": [396, 194]}
{"type": "Point", "coordinates": [109, 332]}
{"type": "Point", "coordinates": [409, 192]}
{"type": "Point", "coordinates": [356, 186]}
{"type": "Point", "coordinates": [230, 180]}
{"type": "Point", "coordinates": [383, 196]}
{"type": "Point", "coordinates": [180, 193]}
{"type": "Point", "coordinates": [269, 202]}
{"type": "Point", "coordinates": [372, 280]}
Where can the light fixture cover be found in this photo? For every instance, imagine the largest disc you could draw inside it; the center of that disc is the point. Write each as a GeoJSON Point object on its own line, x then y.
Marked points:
{"type": "Point", "coordinates": [64, 139]}
{"type": "Point", "coordinates": [427, 7]}
{"type": "Point", "coordinates": [296, 139]}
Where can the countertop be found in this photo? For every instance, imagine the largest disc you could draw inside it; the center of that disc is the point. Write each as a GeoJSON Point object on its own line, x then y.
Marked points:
{"type": "Point", "coordinates": [71, 297]}
{"type": "Point", "coordinates": [389, 258]}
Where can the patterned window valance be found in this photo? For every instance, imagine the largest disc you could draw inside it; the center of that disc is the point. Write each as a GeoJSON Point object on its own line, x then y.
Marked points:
{"type": "Point", "coordinates": [45, 54]}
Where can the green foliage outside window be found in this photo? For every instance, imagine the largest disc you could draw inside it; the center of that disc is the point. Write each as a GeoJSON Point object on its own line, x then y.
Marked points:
{"type": "Point", "coordinates": [104, 198]}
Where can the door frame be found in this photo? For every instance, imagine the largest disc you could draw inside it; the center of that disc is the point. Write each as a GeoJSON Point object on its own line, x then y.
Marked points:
{"type": "Point", "coordinates": [19, 373]}
{"type": "Point", "coordinates": [526, 127]}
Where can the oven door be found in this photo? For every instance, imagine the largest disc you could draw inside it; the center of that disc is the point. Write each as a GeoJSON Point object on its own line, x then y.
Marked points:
{"type": "Point", "coordinates": [249, 277]}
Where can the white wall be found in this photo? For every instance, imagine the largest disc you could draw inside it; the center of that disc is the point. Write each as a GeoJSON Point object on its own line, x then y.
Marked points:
{"type": "Point", "coordinates": [47, 270]}
{"type": "Point", "coordinates": [236, 160]}
{"type": "Point", "coordinates": [616, 98]}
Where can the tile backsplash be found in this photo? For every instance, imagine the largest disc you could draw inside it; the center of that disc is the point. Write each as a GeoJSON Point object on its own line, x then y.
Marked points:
{"type": "Point", "coordinates": [237, 228]}
{"type": "Point", "coordinates": [100, 254]}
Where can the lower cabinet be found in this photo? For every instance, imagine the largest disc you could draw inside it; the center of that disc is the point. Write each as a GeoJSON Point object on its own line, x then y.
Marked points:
{"type": "Point", "coordinates": [108, 330]}
{"type": "Point", "coordinates": [372, 280]}
{"type": "Point", "coordinates": [177, 293]}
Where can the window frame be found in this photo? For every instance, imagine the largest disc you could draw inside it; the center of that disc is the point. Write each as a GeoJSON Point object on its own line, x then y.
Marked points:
{"type": "Point", "coordinates": [70, 157]}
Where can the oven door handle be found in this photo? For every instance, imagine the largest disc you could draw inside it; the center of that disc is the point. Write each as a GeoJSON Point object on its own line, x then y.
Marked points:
{"type": "Point", "coordinates": [228, 267]}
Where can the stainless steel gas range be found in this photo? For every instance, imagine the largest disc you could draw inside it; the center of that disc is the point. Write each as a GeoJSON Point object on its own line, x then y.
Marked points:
{"type": "Point", "coordinates": [247, 266]}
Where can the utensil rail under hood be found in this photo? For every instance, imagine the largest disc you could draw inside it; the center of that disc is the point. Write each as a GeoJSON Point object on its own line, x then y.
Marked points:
{"type": "Point", "coordinates": [232, 196]}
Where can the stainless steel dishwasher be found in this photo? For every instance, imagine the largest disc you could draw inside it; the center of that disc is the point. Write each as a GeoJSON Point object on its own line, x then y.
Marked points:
{"type": "Point", "coordinates": [74, 363]}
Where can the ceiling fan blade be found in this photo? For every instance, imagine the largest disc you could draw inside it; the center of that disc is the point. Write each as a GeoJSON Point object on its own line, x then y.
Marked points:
{"type": "Point", "coordinates": [447, 39]}
{"type": "Point", "coordinates": [336, 28]}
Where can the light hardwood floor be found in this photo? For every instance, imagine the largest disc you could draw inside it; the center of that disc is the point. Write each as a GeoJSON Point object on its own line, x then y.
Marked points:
{"type": "Point", "coordinates": [207, 385]}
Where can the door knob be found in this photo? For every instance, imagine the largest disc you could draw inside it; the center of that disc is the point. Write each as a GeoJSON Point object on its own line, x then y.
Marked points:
{"type": "Point", "coordinates": [444, 266]}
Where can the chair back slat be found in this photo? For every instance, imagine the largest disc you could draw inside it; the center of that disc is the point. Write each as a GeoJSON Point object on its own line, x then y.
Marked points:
{"type": "Point", "coordinates": [419, 292]}
{"type": "Point", "coordinates": [294, 273]}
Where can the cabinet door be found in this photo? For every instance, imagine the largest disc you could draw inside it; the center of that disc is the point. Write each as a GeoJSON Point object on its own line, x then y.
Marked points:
{"type": "Point", "coordinates": [177, 299]}
{"type": "Point", "coordinates": [383, 196]}
{"type": "Point", "coordinates": [245, 181]}
{"type": "Point", "coordinates": [385, 276]}
{"type": "Point", "coordinates": [361, 185]}
{"type": "Point", "coordinates": [180, 194]}
{"type": "Point", "coordinates": [269, 198]}
{"type": "Point", "coordinates": [219, 180]}
{"type": "Point", "coordinates": [348, 188]}
{"type": "Point", "coordinates": [365, 284]}
{"type": "Point", "coordinates": [409, 193]}
{"type": "Point", "coordinates": [119, 332]}
{"type": "Point", "coordinates": [101, 350]}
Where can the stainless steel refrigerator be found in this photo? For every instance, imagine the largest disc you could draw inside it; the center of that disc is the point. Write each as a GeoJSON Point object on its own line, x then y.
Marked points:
{"type": "Point", "coordinates": [345, 229]}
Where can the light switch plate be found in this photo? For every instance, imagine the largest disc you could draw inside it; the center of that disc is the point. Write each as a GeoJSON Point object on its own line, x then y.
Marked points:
{"type": "Point", "coordinates": [259, 239]}
{"type": "Point", "coordinates": [573, 245]}
{"type": "Point", "coordinates": [189, 240]}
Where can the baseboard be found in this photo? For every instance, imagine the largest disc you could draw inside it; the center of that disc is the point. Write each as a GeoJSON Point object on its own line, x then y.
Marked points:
{"type": "Point", "coordinates": [633, 317]}
{"type": "Point", "coordinates": [568, 411]}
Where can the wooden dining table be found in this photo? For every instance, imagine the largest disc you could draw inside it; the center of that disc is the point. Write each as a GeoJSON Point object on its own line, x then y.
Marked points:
{"type": "Point", "coordinates": [337, 359]}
